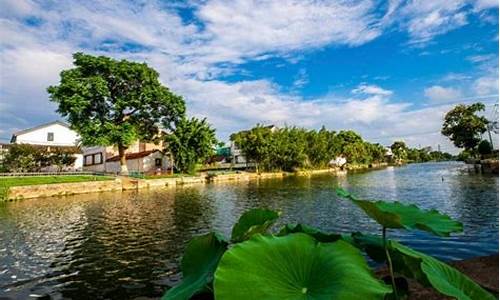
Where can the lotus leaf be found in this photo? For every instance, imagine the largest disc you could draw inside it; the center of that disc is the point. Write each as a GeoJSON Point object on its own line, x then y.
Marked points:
{"type": "Point", "coordinates": [424, 268]}
{"type": "Point", "coordinates": [319, 235]}
{"type": "Point", "coordinates": [398, 215]}
{"type": "Point", "coordinates": [253, 221]}
{"type": "Point", "coordinates": [295, 266]}
{"type": "Point", "coordinates": [198, 265]}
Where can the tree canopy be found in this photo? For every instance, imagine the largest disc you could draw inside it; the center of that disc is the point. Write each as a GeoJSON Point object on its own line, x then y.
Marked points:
{"type": "Point", "coordinates": [115, 102]}
{"type": "Point", "coordinates": [191, 143]}
{"type": "Point", "coordinates": [464, 127]}
{"type": "Point", "coordinates": [291, 148]}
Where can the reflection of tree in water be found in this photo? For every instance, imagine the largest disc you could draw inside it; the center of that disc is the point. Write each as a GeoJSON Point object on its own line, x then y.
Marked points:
{"type": "Point", "coordinates": [125, 248]}
{"type": "Point", "coordinates": [475, 199]}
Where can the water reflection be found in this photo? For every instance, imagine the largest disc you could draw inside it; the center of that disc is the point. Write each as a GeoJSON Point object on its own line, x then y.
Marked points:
{"type": "Point", "coordinates": [126, 245]}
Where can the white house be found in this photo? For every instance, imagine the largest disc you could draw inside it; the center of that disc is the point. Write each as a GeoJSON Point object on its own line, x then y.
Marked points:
{"type": "Point", "coordinates": [53, 134]}
{"type": "Point", "coordinates": [141, 157]}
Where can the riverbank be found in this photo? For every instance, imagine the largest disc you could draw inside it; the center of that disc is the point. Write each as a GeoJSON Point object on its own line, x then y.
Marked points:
{"type": "Point", "coordinates": [51, 188]}
{"type": "Point", "coordinates": [483, 270]}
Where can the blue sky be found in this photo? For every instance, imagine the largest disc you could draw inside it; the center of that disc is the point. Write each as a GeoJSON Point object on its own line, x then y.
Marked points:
{"type": "Point", "coordinates": [387, 69]}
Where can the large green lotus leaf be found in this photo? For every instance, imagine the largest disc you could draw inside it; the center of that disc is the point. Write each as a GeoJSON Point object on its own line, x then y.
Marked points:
{"type": "Point", "coordinates": [293, 267]}
{"type": "Point", "coordinates": [253, 221]}
{"type": "Point", "coordinates": [444, 278]}
{"type": "Point", "coordinates": [398, 215]}
{"type": "Point", "coordinates": [198, 265]}
{"type": "Point", "coordinates": [319, 235]}
{"type": "Point", "coordinates": [424, 268]}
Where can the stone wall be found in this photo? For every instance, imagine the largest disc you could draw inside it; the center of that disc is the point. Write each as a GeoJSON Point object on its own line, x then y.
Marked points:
{"type": "Point", "coordinates": [62, 189]}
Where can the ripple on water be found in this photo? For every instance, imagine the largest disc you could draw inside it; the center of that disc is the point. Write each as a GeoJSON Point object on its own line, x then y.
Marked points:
{"type": "Point", "coordinates": [127, 245]}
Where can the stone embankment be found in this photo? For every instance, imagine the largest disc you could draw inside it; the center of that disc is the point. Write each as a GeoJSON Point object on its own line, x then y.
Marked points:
{"type": "Point", "coordinates": [127, 183]}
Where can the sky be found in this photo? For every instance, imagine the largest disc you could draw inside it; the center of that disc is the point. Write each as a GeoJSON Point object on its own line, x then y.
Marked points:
{"type": "Point", "coordinates": [389, 70]}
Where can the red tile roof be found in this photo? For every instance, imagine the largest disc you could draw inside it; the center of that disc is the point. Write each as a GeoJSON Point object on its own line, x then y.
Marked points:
{"type": "Point", "coordinates": [133, 155]}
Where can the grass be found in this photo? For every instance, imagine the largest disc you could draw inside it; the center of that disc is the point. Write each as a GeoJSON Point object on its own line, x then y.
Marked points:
{"type": "Point", "coordinates": [7, 182]}
{"type": "Point", "coordinates": [175, 175]}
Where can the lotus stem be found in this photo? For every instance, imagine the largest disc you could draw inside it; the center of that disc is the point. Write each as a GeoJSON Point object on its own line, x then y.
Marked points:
{"type": "Point", "coordinates": [389, 263]}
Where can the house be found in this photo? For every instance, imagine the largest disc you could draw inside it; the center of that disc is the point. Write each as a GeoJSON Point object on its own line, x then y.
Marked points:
{"type": "Point", "coordinates": [141, 157]}
{"type": "Point", "coordinates": [52, 135]}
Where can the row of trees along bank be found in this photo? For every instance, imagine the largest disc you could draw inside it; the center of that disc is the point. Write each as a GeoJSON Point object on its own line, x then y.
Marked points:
{"type": "Point", "coordinates": [292, 148]}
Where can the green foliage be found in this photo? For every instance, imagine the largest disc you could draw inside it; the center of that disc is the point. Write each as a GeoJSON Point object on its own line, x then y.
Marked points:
{"type": "Point", "coordinates": [302, 262]}
{"type": "Point", "coordinates": [484, 147]}
{"type": "Point", "coordinates": [319, 235]}
{"type": "Point", "coordinates": [463, 126]}
{"type": "Point", "coordinates": [198, 265]}
{"type": "Point", "coordinates": [30, 158]}
{"type": "Point", "coordinates": [191, 143]}
{"type": "Point", "coordinates": [111, 102]}
{"type": "Point", "coordinates": [293, 148]}
{"type": "Point", "coordinates": [295, 266]}
{"type": "Point", "coordinates": [398, 215]}
{"type": "Point", "coordinates": [427, 270]}
{"type": "Point", "coordinates": [252, 222]}
{"type": "Point", "coordinates": [399, 150]}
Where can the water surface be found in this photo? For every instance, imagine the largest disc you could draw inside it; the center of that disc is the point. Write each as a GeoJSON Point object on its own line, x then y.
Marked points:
{"type": "Point", "coordinates": [128, 245]}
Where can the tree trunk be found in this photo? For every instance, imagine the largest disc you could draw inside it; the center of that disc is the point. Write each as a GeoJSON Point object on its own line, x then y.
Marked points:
{"type": "Point", "coordinates": [123, 160]}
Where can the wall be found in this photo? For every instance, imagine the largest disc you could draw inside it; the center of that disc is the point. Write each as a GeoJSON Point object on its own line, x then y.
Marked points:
{"type": "Point", "coordinates": [61, 189]}
{"type": "Point", "coordinates": [63, 136]}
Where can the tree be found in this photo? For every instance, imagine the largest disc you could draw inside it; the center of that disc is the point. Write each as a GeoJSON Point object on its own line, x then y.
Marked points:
{"type": "Point", "coordinates": [399, 150]}
{"type": "Point", "coordinates": [464, 127]}
{"type": "Point", "coordinates": [30, 158]}
{"type": "Point", "coordinates": [191, 142]}
{"type": "Point", "coordinates": [255, 144]}
{"type": "Point", "coordinates": [484, 147]}
{"type": "Point", "coordinates": [110, 102]}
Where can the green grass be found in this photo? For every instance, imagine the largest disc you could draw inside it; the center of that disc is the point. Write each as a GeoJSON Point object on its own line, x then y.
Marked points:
{"type": "Point", "coordinates": [176, 175]}
{"type": "Point", "coordinates": [7, 182]}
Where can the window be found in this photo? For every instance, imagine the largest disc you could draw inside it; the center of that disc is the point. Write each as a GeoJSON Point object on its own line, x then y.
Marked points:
{"type": "Point", "coordinates": [50, 136]}
{"type": "Point", "coordinates": [98, 158]}
{"type": "Point", "coordinates": [157, 162]}
{"type": "Point", "coordinates": [92, 159]}
{"type": "Point", "coordinates": [88, 160]}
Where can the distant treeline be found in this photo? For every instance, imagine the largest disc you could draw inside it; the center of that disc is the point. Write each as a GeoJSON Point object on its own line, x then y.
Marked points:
{"type": "Point", "coordinates": [292, 148]}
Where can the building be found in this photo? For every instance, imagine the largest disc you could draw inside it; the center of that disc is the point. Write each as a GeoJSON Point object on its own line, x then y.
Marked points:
{"type": "Point", "coordinates": [55, 133]}
{"type": "Point", "coordinates": [52, 135]}
{"type": "Point", "coordinates": [147, 158]}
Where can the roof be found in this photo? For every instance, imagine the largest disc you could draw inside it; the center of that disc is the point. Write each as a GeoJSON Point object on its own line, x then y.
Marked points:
{"type": "Point", "coordinates": [134, 155]}
{"type": "Point", "coordinates": [15, 134]}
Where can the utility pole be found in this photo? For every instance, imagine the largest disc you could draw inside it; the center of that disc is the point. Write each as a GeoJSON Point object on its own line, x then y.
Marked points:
{"type": "Point", "coordinates": [489, 133]}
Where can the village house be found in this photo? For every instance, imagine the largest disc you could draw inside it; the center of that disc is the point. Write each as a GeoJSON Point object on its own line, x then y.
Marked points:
{"type": "Point", "coordinates": [146, 158]}
{"type": "Point", "coordinates": [52, 135]}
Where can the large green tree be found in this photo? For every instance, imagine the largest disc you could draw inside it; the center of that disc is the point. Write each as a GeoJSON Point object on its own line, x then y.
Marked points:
{"type": "Point", "coordinates": [115, 102]}
{"type": "Point", "coordinates": [255, 143]}
{"type": "Point", "coordinates": [191, 142]}
{"type": "Point", "coordinates": [464, 127]}
{"type": "Point", "coordinates": [399, 150]}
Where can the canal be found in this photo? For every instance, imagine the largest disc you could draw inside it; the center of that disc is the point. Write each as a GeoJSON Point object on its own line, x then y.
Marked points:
{"type": "Point", "coordinates": [128, 245]}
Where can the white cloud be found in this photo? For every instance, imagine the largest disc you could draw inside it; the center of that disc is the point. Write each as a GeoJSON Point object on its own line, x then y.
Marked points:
{"type": "Point", "coordinates": [438, 93]}
{"type": "Point", "coordinates": [301, 79]}
{"type": "Point", "coordinates": [243, 28]}
{"type": "Point", "coordinates": [191, 57]}
{"type": "Point", "coordinates": [371, 90]}
{"type": "Point", "coordinates": [486, 85]}
{"type": "Point", "coordinates": [426, 19]}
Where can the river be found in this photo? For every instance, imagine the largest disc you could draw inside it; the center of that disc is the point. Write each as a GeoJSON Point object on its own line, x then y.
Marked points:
{"type": "Point", "coordinates": [128, 245]}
